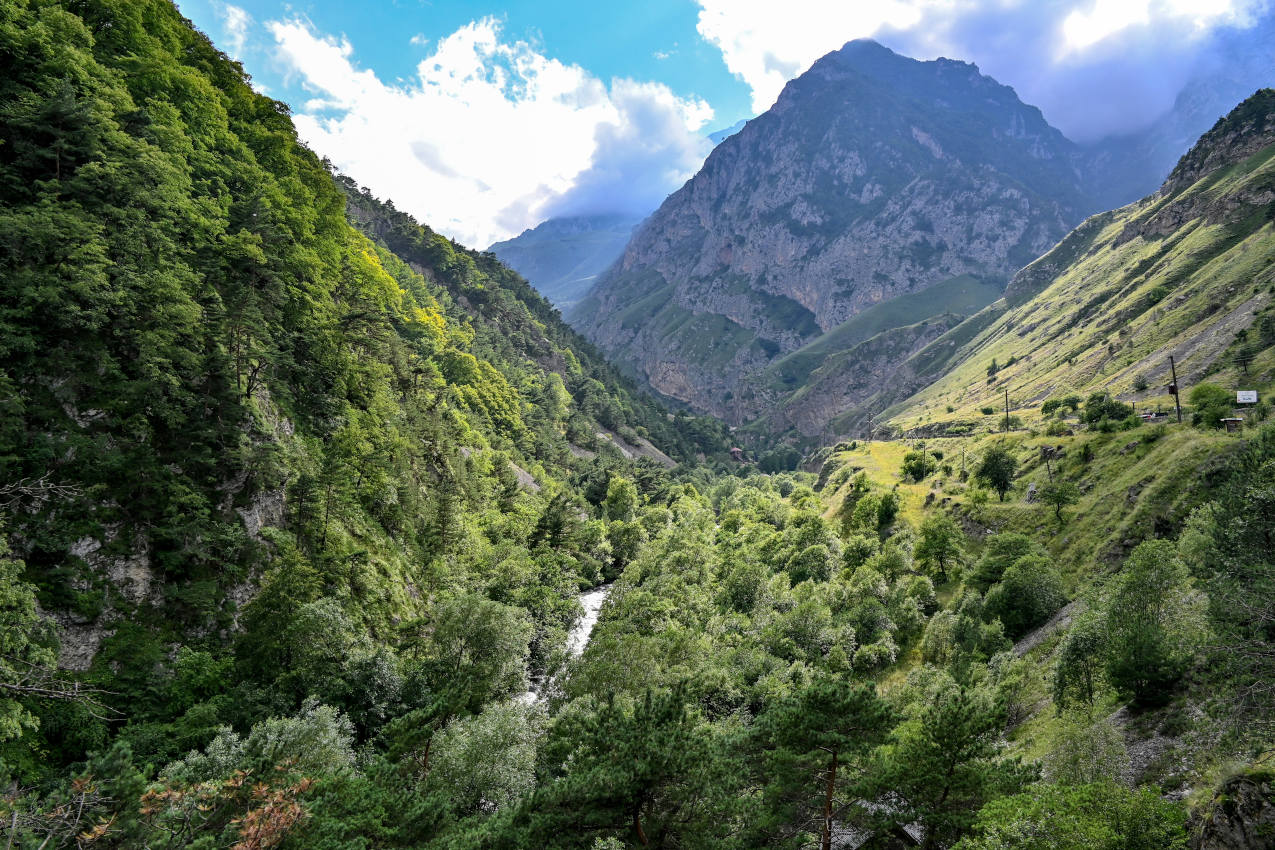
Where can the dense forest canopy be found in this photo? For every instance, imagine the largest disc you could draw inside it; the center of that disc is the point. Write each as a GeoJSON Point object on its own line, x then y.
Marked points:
{"type": "Point", "coordinates": [298, 498]}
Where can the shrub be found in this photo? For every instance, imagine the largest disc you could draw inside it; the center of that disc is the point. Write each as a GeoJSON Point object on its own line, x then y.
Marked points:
{"type": "Point", "coordinates": [918, 465]}
{"type": "Point", "coordinates": [988, 411]}
{"type": "Point", "coordinates": [1077, 817]}
{"type": "Point", "coordinates": [1212, 404]}
{"type": "Point", "coordinates": [1100, 406]}
{"type": "Point", "coordinates": [1027, 596]}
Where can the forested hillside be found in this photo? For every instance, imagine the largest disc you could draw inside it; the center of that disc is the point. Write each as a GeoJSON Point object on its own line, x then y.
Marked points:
{"type": "Point", "coordinates": [299, 499]}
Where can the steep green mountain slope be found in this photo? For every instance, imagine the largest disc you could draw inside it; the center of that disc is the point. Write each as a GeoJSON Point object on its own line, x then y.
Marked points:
{"type": "Point", "coordinates": [226, 410]}
{"type": "Point", "coordinates": [562, 257]}
{"type": "Point", "coordinates": [873, 176]}
{"type": "Point", "coordinates": [1186, 272]}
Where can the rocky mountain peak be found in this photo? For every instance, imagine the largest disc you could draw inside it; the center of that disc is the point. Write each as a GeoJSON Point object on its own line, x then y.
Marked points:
{"type": "Point", "coordinates": [873, 176]}
{"type": "Point", "coordinates": [1236, 136]}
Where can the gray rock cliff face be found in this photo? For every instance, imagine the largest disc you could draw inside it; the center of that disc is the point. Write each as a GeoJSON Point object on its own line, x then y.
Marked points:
{"type": "Point", "coordinates": [873, 175]}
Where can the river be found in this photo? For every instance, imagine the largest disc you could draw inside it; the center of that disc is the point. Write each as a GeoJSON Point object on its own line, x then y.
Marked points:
{"type": "Point", "coordinates": [577, 639]}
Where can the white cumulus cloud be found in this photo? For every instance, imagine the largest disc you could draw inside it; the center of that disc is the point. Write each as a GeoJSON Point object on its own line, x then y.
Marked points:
{"type": "Point", "coordinates": [235, 21]}
{"type": "Point", "coordinates": [1093, 66]}
{"type": "Point", "coordinates": [489, 136]}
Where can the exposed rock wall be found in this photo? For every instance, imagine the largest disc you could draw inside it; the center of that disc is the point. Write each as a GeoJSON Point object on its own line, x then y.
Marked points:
{"type": "Point", "coordinates": [871, 177]}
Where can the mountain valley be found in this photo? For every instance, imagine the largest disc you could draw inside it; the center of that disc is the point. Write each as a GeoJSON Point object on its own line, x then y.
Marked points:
{"type": "Point", "coordinates": [949, 523]}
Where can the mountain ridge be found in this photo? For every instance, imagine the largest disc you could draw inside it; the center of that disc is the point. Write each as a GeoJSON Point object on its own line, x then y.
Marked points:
{"type": "Point", "coordinates": [848, 192]}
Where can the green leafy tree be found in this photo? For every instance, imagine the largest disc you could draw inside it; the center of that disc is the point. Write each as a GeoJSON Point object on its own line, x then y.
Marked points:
{"type": "Point", "coordinates": [621, 502]}
{"type": "Point", "coordinates": [1228, 546]}
{"type": "Point", "coordinates": [1058, 495]}
{"type": "Point", "coordinates": [26, 659]}
{"type": "Point", "coordinates": [996, 469]}
{"type": "Point", "coordinates": [941, 545]}
{"type": "Point", "coordinates": [1080, 664]}
{"type": "Point", "coordinates": [487, 761]}
{"type": "Point", "coordinates": [999, 552]}
{"type": "Point", "coordinates": [918, 465]}
{"type": "Point", "coordinates": [1027, 595]}
{"type": "Point", "coordinates": [1100, 406]}
{"type": "Point", "coordinates": [1150, 628]}
{"type": "Point", "coordinates": [1087, 750]}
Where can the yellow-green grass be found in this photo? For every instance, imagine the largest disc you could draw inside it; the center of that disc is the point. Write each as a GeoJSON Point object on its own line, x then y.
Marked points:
{"type": "Point", "coordinates": [1110, 320]}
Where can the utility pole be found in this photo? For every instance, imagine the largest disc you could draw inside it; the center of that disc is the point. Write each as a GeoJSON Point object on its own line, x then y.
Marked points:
{"type": "Point", "coordinates": [1177, 391]}
{"type": "Point", "coordinates": [1007, 410]}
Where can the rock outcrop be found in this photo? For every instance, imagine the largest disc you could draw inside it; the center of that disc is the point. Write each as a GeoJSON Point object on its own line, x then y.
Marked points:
{"type": "Point", "coordinates": [872, 176]}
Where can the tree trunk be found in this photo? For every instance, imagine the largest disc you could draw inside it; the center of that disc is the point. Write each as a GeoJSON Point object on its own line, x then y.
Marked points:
{"type": "Point", "coordinates": [637, 826]}
{"type": "Point", "coordinates": [827, 803]}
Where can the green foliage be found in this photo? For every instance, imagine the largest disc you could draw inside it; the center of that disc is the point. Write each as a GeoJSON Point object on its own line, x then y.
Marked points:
{"type": "Point", "coordinates": [1100, 407]}
{"type": "Point", "coordinates": [941, 544]}
{"type": "Point", "coordinates": [1098, 816]}
{"type": "Point", "coordinates": [1028, 594]}
{"type": "Point", "coordinates": [918, 465]}
{"type": "Point", "coordinates": [811, 739]}
{"type": "Point", "coordinates": [25, 656]}
{"type": "Point", "coordinates": [486, 762]}
{"type": "Point", "coordinates": [1087, 750]}
{"type": "Point", "coordinates": [1226, 545]}
{"type": "Point", "coordinates": [1080, 662]}
{"type": "Point", "coordinates": [1150, 632]}
{"type": "Point", "coordinates": [1058, 495]}
{"type": "Point", "coordinates": [621, 501]}
{"type": "Point", "coordinates": [996, 469]}
{"type": "Point", "coordinates": [943, 763]}
{"type": "Point", "coordinates": [1212, 404]}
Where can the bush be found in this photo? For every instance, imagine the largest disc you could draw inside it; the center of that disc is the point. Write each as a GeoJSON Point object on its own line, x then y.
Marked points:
{"type": "Point", "coordinates": [1101, 816]}
{"type": "Point", "coordinates": [918, 465]}
{"type": "Point", "coordinates": [1027, 596]}
{"type": "Point", "coordinates": [1100, 406]}
{"type": "Point", "coordinates": [988, 411]}
{"type": "Point", "coordinates": [1212, 404]}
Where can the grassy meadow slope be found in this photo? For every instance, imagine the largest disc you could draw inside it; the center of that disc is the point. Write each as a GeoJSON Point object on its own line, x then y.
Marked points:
{"type": "Point", "coordinates": [1189, 273]}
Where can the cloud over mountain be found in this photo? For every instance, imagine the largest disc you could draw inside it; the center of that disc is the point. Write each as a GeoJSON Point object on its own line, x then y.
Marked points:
{"type": "Point", "coordinates": [490, 137]}
{"type": "Point", "coordinates": [1095, 67]}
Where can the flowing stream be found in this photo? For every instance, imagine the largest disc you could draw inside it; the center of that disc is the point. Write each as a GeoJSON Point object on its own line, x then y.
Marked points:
{"type": "Point", "coordinates": [577, 638]}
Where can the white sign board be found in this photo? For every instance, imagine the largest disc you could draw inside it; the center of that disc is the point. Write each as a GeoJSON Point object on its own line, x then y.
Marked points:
{"type": "Point", "coordinates": [1246, 397]}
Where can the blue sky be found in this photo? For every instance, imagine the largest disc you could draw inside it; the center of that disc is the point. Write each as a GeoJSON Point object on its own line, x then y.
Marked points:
{"type": "Point", "coordinates": [648, 40]}
{"type": "Point", "coordinates": [485, 117]}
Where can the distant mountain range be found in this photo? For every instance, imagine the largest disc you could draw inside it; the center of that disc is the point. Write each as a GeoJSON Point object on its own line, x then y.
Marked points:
{"type": "Point", "coordinates": [562, 257]}
{"type": "Point", "coordinates": [872, 177]}
{"type": "Point", "coordinates": [904, 192]}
